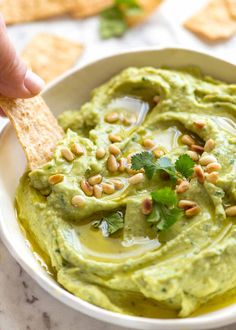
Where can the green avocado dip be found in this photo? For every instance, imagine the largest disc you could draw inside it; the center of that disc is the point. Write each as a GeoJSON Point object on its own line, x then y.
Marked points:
{"type": "Point", "coordinates": [136, 210]}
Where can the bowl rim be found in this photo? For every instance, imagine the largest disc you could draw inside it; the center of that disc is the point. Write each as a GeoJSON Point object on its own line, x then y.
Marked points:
{"type": "Point", "coordinates": [224, 316]}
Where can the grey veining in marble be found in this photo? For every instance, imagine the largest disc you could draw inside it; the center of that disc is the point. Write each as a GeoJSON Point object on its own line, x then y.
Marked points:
{"type": "Point", "coordinates": [23, 304]}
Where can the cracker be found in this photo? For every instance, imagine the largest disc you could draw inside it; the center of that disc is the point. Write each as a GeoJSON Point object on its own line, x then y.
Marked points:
{"type": "Point", "coordinates": [232, 7]}
{"type": "Point", "coordinates": [37, 129]}
{"type": "Point", "coordinates": [85, 8]}
{"type": "Point", "coordinates": [49, 55]}
{"type": "Point", "coordinates": [147, 6]}
{"type": "Point", "coordinates": [213, 22]}
{"type": "Point", "coordinates": [18, 11]}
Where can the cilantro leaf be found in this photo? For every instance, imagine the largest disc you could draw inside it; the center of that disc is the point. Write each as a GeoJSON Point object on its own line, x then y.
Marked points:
{"type": "Point", "coordinates": [165, 213]}
{"type": "Point", "coordinates": [112, 23]}
{"type": "Point", "coordinates": [169, 216]}
{"type": "Point", "coordinates": [165, 196]}
{"type": "Point", "coordinates": [166, 165]}
{"type": "Point", "coordinates": [184, 165]}
{"type": "Point", "coordinates": [113, 20]}
{"type": "Point", "coordinates": [110, 224]}
{"type": "Point", "coordinates": [144, 160]}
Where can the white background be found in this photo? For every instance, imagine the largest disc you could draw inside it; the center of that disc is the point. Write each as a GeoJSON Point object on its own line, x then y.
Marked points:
{"type": "Point", "coordinates": [23, 304]}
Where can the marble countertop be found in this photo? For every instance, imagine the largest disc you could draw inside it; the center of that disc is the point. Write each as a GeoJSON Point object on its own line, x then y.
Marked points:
{"type": "Point", "coordinates": [23, 304]}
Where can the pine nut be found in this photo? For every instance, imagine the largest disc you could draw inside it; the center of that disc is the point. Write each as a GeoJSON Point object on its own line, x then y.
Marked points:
{"type": "Point", "coordinates": [199, 173]}
{"type": "Point", "coordinates": [112, 117]}
{"type": "Point", "coordinates": [192, 211]}
{"type": "Point", "coordinates": [137, 178]}
{"type": "Point", "coordinates": [114, 150]}
{"type": "Point", "coordinates": [78, 201]}
{"type": "Point", "coordinates": [112, 164]}
{"type": "Point", "coordinates": [231, 211]}
{"type": "Point", "coordinates": [156, 99]}
{"type": "Point", "coordinates": [122, 164]}
{"type": "Point", "coordinates": [146, 206]}
{"type": "Point", "coordinates": [199, 124]}
{"type": "Point", "coordinates": [56, 178]}
{"type": "Point", "coordinates": [209, 145]}
{"type": "Point", "coordinates": [129, 121]}
{"type": "Point", "coordinates": [186, 204]}
{"type": "Point", "coordinates": [158, 152]}
{"type": "Point", "coordinates": [114, 138]}
{"type": "Point", "coordinates": [77, 149]}
{"type": "Point", "coordinates": [87, 189]}
{"type": "Point", "coordinates": [182, 187]}
{"type": "Point", "coordinates": [187, 139]}
{"type": "Point", "coordinates": [100, 153]}
{"type": "Point", "coordinates": [197, 148]}
{"type": "Point", "coordinates": [130, 171]}
{"type": "Point", "coordinates": [118, 184]}
{"type": "Point", "coordinates": [67, 154]}
{"type": "Point", "coordinates": [205, 160]}
{"type": "Point", "coordinates": [96, 179]}
{"type": "Point", "coordinates": [129, 158]}
{"type": "Point", "coordinates": [193, 155]}
{"type": "Point", "coordinates": [213, 177]}
{"type": "Point", "coordinates": [212, 167]}
{"type": "Point", "coordinates": [97, 191]}
{"type": "Point", "coordinates": [108, 188]}
{"type": "Point", "coordinates": [148, 144]}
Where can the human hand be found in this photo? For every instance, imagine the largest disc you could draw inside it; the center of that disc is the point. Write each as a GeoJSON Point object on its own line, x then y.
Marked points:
{"type": "Point", "coordinates": [16, 80]}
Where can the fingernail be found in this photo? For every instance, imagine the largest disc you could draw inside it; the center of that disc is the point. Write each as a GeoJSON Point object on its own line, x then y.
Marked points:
{"type": "Point", "coordinates": [33, 82]}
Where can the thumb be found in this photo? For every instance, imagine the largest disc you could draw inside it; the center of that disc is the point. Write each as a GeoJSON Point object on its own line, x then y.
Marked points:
{"type": "Point", "coordinates": [15, 80]}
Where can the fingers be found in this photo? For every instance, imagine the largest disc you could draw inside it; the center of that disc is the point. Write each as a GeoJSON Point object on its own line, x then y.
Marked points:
{"type": "Point", "coordinates": [15, 80]}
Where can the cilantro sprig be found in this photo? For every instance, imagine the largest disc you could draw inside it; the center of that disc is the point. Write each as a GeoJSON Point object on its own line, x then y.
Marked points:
{"type": "Point", "coordinates": [111, 224]}
{"type": "Point", "coordinates": [112, 20]}
{"type": "Point", "coordinates": [183, 167]}
{"type": "Point", "coordinates": [165, 212]}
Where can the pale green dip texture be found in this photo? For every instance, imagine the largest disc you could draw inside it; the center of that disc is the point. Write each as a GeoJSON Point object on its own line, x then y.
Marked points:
{"type": "Point", "coordinates": [138, 271]}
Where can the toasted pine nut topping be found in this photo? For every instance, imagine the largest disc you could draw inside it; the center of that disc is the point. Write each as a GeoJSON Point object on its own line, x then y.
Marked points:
{"type": "Point", "coordinates": [146, 206]}
{"type": "Point", "coordinates": [209, 145]}
{"type": "Point", "coordinates": [137, 178]}
{"type": "Point", "coordinates": [156, 99]}
{"type": "Point", "coordinates": [114, 138]}
{"type": "Point", "coordinates": [122, 164]}
{"type": "Point", "coordinates": [158, 152]}
{"type": "Point", "coordinates": [112, 117]}
{"type": "Point", "coordinates": [208, 159]}
{"type": "Point", "coordinates": [108, 188]}
{"type": "Point", "coordinates": [78, 201]}
{"type": "Point", "coordinates": [67, 154]}
{"type": "Point", "coordinates": [231, 211]}
{"type": "Point", "coordinates": [197, 148]}
{"type": "Point", "coordinates": [212, 177]}
{"type": "Point", "coordinates": [199, 173]}
{"type": "Point", "coordinates": [112, 164]}
{"type": "Point", "coordinates": [182, 187]}
{"type": "Point", "coordinates": [100, 153]}
{"type": "Point", "coordinates": [96, 179]}
{"type": "Point", "coordinates": [212, 167]}
{"type": "Point", "coordinates": [129, 121]}
{"type": "Point", "coordinates": [56, 178]}
{"type": "Point", "coordinates": [192, 211]}
{"type": "Point", "coordinates": [97, 191]}
{"type": "Point", "coordinates": [186, 204]}
{"type": "Point", "coordinates": [113, 149]}
{"type": "Point", "coordinates": [87, 189]}
{"type": "Point", "coordinates": [77, 149]}
{"type": "Point", "coordinates": [187, 139]}
{"type": "Point", "coordinates": [193, 154]}
{"type": "Point", "coordinates": [199, 123]}
{"type": "Point", "coordinates": [118, 184]}
{"type": "Point", "coordinates": [148, 144]}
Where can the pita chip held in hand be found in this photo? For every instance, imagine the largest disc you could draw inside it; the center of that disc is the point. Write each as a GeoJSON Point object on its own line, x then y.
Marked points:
{"type": "Point", "coordinates": [37, 129]}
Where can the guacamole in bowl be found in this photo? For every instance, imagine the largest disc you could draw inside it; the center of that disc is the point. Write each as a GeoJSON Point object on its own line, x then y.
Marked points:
{"type": "Point", "coordinates": [136, 210]}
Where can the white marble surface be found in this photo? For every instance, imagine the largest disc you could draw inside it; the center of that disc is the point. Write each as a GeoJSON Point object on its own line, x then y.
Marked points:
{"type": "Point", "coordinates": [23, 304]}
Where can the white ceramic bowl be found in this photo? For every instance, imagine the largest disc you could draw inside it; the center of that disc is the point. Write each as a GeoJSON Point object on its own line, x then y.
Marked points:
{"type": "Point", "coordinates": [69, 92]}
